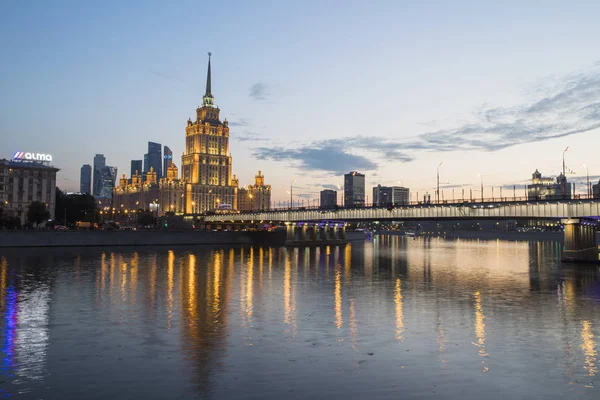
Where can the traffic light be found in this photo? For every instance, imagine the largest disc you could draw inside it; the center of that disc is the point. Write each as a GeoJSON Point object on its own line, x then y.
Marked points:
{"type": "Point", "coordinates": [390, 206]}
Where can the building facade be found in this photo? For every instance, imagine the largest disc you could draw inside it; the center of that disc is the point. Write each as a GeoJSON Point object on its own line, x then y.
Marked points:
{"type": "Point", "coordinates": [206, 163]}
{"type": "Point", "coordinates": [384, 195]}
{"type": "Point", "coordinates": [99, 164]}
{"type": "Point", "coordinates": [23, 182]}
{"type": "Point", "coordinates": [544, 188]}
{"type": "Point", "coordinates": [354, 189]}
{"type": "Point", "coordinates": [171, 192]}
{"type": "Point", "coordinates": [85, 179]}
{"type": "Point", "coordinates": [255, 197]}
{"type": "Point", "coordinates": [108, 176]}
{"type": "Point", "coordinates": [167, 160]}
{"type": "Point", "coordinates": [129, 198]}
{"type": "Point", "coordinates": [328, 198]}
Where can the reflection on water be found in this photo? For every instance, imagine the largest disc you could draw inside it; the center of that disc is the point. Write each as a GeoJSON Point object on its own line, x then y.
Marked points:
{"type": "Point", "coordinates": [391, 317]}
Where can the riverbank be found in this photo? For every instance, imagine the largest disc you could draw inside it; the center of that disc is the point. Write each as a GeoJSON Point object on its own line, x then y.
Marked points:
{"type": "Point", "coordinates": [26, 239]}
{"type": "Point", "coordinates": [543, 236]}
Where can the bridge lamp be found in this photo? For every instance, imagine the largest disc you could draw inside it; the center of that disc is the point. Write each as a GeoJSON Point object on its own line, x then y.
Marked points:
{"type": "Point", "coordinates": [481, 178]}
{"type": "Point", "coordinates": [438, 182]}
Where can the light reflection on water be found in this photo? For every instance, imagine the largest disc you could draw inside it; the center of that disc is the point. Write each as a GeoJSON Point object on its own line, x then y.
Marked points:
{"type": "Point", "coordinates": [392, 317]}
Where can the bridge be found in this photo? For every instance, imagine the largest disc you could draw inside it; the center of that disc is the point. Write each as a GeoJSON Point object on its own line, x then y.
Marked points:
{"type": "Point", "coordinates": [579, 216]}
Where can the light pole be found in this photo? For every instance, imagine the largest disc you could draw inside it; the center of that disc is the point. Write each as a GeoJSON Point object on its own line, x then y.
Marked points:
{"type": "Point", "coordinates": [587, 172]}
{"type": "Point", "coordinates": [438, 182]}
{"type": "Point", "coordinates": [291, 193]}
{"type": "Point", "coordinates": [481, 178]}
{"type": "Point", "coordinates": [564, 172]}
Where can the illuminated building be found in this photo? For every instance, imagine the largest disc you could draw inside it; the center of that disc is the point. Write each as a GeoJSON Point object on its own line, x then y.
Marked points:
{"type": "Point", "coordinates": [167, 160]}
{"type": "Point", "coordinates": [354, 189]}
{"type": "Point", "coordinates": [108, 177]}
{"type": "Point", "coordinates": [383, 195]}
{"type": "Point", "coordinates": [544, 188]}
{"type": "Point", "coordinates": [23, 182]}
{"type": "Point", "coordinates": [85, 179]}
{"type": "Point", "coordinates": [206, 162]}
{"type": "Point", "coordinates": [171, 196]}
{"type": "Point", "coordinates": [328, 198]}
{"type": "Point", "coordinates": [255, 197]}
{"type": "Point", "coordinates": [128, 197]}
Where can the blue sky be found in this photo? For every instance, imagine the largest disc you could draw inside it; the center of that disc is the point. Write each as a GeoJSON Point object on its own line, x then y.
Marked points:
{"type": "Point", "coordinates": [312, 89]}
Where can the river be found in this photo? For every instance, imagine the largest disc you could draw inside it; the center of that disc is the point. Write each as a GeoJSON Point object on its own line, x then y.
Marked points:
{"type": "Point", "coordinates": [394, 317]}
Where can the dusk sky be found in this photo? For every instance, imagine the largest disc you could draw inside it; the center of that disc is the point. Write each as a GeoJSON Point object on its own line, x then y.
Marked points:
{"type": "Point", "coordinates": [311, 89]}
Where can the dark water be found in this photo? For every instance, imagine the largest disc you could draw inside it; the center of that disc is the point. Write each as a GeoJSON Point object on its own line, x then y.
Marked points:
{"type": "Point", "coordinates": [391, 318]}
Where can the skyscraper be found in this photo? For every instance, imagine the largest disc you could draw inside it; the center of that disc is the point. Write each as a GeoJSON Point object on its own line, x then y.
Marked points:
{"type": "Point", "coordinates": [136, 165]}
{"type": "Point", "coordinates": [354, 189]}
{"type": "Point", "coordinates": [85, 179]}
{"type": "Point", "coordinates": [99, 164]}
{"type": "Point", "coordinates": [146, 165]}
{"type": "Point", "coordinates": [108, 176]}
{"type": "Point", "coordinates": [396, 195]}
{"type": "Point", "coordinates": [206, 162]}
{"type": "Point", "coordinates": [328, 198]}
{"type": "Point", "coordinates": [168, 160]}
{"type": "Point", "coordinates": [155, 157]}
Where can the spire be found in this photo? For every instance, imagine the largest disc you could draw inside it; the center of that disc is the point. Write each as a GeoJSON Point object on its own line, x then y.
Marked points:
{"type": "Point", "coordinates": [208, 92]}
{"type": "Point", "coordinates": [208, 100]}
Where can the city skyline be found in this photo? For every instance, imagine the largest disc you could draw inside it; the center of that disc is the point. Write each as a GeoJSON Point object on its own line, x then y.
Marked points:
{"type": "Point", "coordinates": [482, 96]}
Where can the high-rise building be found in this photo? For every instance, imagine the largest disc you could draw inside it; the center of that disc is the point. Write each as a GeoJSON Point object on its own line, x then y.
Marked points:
{"type": "Point", "coordinates": [328, 198]}
{"type": "Point", "coordinates": [354, 189]}
{"type": "Point", "coordinates": [136, 166]}
{"type": "Point", "coordinates": [155, 157]}
{"type": "Point", "coordinates": [167, 160]}
{"type": "Point", "coordinates": [108, 178]}
{"type": "Point", "coordinates": [146, 165]}
{"type": "Point", "coordinates": [206, 162]}
{"type": "Point", "coordinates": [255, 197]}
{"type": "Point", "coordinates": [384, 195]}
{"type": "Point", "coordinates": [99, 164]}
{"type": "Point", "coordinates": [85, 179]}
{"type": "Point", "coordinates": [22, 183]}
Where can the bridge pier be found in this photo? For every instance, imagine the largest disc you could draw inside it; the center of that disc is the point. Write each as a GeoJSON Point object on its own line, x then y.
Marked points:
{"type": "Point", "coordinates": [580, 240]}
{"type": "Point", "coordinates": [308, 235]}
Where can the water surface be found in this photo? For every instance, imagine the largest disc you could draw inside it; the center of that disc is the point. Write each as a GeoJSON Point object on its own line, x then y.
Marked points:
{"type": "Point", "coordinates": [389, 318]}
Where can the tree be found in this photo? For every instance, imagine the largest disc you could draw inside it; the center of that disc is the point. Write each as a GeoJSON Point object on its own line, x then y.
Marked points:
{"type": "Point", "coordinates": [37, 213]}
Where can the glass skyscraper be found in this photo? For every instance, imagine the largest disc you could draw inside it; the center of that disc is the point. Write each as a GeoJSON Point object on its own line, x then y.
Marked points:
{"type": "Point", "coordinates": [354, 189]}
{"type": "Point", "coordinates": [85, 179]}
{"type": "Point", "coordinates": [168, 160]}
{"type": "Point", "coordinates": [155, 158]}
{"type": "Point", "coordinates": [99, 164]}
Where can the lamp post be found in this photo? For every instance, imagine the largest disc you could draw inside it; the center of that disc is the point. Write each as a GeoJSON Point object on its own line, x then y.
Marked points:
{"type": "Point", "coordinates": [292, 193]}
{"type": "Point", "coordinates": [564, 172]}
{"type": "Point", "coordinates": [438, 182]}
{"type": "Point", "coordinates": [481, 178]}
{"type": "Point", "coordinates": [587, 172]}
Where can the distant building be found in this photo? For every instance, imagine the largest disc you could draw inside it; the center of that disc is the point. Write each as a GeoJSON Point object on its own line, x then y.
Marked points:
{"type": "Point", "coordinates": [255, 197]}
{"type": "Point", "coordinates": [354, 189]}
{"type": "Point", "coordinates": [146, 165]}
{"type": "Point", "coordinates": [384, 195]}
{"type": "Point", "coordinates": [22, 183]}
{"type": "Point", "coordinates": [328, 198]}
{"type": "Point", "coordinates": [108, 178]}
{"type": "Point", "coordinates": [596, 190]}
{"type": "Point", "coordinates": [544, 188]}
{"type": "Point", "coordinates": [167, 160]}
{"type": "Point", "coordinates": [136, 166]}
{"type": "Point", "coordinates": [99, 164]}
{"type": "Point", "coordinates": [155, 158]}
{"type": "Point", "coordinates": [85, 179]}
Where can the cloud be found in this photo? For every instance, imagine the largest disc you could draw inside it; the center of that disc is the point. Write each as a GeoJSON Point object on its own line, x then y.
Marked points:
{"type": "Point", "coordinates": [329, 186]}
{"type": "Point", "coordinates": [249, 137]}
{"type": "Point", "coordinates": [262, 91]}
{"type": "Point", "coordinates": [239, 122]}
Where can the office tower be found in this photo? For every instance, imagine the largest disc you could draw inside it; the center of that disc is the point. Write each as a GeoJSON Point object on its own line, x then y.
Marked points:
{"type": "Point", "coordinates": [354, 189]}
{"type": "Point", "coordinates": [99, 164]}
{"type": "Point", "coordinates": [155, 157]}
{"type": "Point", "coordinates": [85, 179]}
{"type": "Point", "coordinates": [108, 176]}
{"type": "Point", "coordinates": [136, 165]}
{"type": "Point", "coordinates": [328, 198]}
{"type": "Point", "coordinates": [206, 162]}
{"type": "Point", "coordinates": [384, 195]}
{"type": "Point", "coordinates": [167, 160]}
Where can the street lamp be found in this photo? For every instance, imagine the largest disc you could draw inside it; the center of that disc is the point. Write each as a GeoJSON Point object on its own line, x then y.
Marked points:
{"type": "Point", "coordinates": [587, 172]}
{"type": "Point", "coordinates": [291, 193]}
{"type": "Point", "coordinates": [481, 177]}
{"type": "Point", "coordinates": [564, 172]}
{"type": "Point", "coordinates": [438, 182]}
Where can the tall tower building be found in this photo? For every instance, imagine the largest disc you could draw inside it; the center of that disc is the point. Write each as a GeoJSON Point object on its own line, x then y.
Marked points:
{"type": "Point", "coordinates": [354, 189]}
{"type": "Point", "coordinates": [136, 166]}
{"type": "Point", "coordinates": [155, 158]}
{"type": "Point", "coordinates": [167, 160]}
{"type": "Point", "coordinates": [99, 164]}
{"type": "Point", "coordinates": [206, 162]}
{"type": "Point", "coordinates": [85, 179]}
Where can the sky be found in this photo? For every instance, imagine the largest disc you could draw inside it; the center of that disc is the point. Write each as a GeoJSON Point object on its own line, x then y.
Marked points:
{"type": "Point", "coordinates": [312, 89]}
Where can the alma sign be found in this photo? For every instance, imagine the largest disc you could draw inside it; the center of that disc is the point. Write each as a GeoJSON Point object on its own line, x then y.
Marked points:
{"type": "Point", "coordinates": [21, 155]}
